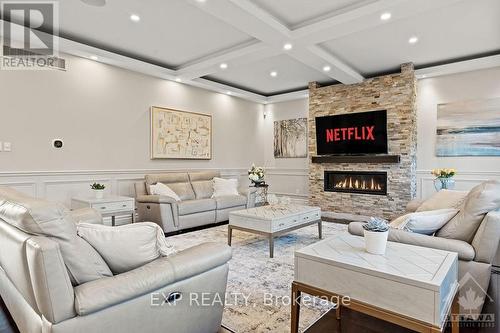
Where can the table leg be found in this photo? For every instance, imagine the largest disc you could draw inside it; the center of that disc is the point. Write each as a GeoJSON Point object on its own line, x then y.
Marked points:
{"type": "Point", "coordinates": [271, 246]}
{"type": "Point", "coordinates": [320, 229]}
{"type": "Point", "coordinates": [113, 221]}
{"type": "Point", "coordinates": [455, 311]}
{"type": "Point", "coordinates": [295, 309]}
{"type": "Point", "coordinates": [133, 216]}
{"type": "Point", "coordinates": [229, 235]}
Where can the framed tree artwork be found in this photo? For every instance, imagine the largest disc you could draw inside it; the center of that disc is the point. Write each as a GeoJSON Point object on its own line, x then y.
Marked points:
{"type": "Point", "coordinates": [179, 134]}
{"type": "Point", "coordinates": [290, 138]}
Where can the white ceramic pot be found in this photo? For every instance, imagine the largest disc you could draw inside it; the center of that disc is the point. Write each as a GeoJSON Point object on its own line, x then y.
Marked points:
{"type": "Point", "coordinates": [99, 194]}
{"type": "Point", "coordinates": [376, 242]}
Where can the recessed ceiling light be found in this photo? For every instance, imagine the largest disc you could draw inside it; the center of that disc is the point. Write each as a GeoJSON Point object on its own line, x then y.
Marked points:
{"type": "Point", "coordinates": [201, 1]}
{"type": "Point", "coordinates": [273, 73]}
{"type": "Point", "coordinates": [326, 68]}
{"type": "Point", "coordinates": [229, 93]}
{"type": "Point", "coordinates": [223, 65]}
{"type": "Point", "coordinates": [424, 76]}
{"type": "Point", "coordinates": [96, 3]}
{"type": "Point", "coordinates": [93, 57]}
{"type": "Point", "coordinates": [135, 18]}
{"type": "Point", "coordinates": [178, 79]}
{"type": "Point", "coordinates": [287, 46]}
{"type": "Point", "coordinates": [385, 16]}
{"type": "Point", "coordinates": [413, 40]}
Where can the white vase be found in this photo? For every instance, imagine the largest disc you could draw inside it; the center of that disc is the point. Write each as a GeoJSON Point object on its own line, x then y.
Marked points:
{"type": "Point", "coordinates": [376, 242]}
{"type": "Point", "coordinates": [99, 194]}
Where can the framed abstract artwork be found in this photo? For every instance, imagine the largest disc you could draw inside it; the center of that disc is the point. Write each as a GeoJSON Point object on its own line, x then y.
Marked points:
{"type": "Point", "coordinates": [290, 138]}
{"type": "Point", "coordinates": [179, 134]}
{"type": "Point", "coordinates": [469, 128]}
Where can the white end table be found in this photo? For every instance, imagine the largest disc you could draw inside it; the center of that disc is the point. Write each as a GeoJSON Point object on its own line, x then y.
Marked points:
{"type": "Point", "coordinates": [110, 206]}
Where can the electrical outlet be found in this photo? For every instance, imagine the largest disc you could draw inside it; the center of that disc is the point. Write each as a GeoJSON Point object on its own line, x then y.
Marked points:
{"type": "Point", "coordinates": [7, 146]}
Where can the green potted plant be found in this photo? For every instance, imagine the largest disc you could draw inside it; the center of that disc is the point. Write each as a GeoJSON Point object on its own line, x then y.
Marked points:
{"type": "Point", "coordinates": [98, 190]}
{"type": "Point", "coordinates": [376, 233]}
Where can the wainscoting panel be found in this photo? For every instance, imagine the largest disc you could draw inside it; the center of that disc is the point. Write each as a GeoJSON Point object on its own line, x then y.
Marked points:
{"type": "Point", "coordinates": [464, 181]}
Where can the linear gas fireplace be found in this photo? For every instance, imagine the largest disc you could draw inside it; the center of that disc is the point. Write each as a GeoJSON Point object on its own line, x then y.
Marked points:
{"type": "Point", "coordinates": [364, 182]}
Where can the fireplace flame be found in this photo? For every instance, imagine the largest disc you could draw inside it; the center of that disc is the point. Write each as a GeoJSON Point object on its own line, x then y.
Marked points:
{"type": "Point", "coordinates": [349, 183]}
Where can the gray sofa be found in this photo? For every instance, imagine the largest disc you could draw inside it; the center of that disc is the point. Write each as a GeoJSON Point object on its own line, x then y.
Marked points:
{"type": "Point", "coordinates": [35, 283]}
{"type": "Point", "coordinates": [475, 257]}
{"type": "Point", "coordinates": [196, 208]}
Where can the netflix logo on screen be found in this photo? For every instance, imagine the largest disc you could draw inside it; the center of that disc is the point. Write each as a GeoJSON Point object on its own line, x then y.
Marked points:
{"type": "Point", "coordinates": [353, 133]}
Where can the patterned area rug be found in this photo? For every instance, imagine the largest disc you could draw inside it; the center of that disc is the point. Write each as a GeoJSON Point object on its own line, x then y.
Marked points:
{"type": "Point", "coordinates": [258, 290]}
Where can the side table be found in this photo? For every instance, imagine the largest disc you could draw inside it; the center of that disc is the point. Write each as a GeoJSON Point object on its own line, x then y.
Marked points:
{"type": "Point", "coordinates": [261, 193]}
{"type": "Point", "coordinates": [110, 206]}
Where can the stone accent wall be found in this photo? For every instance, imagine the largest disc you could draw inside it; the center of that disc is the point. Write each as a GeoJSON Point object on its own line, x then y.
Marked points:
{"type": "Point", "coordinates": [395, 93]}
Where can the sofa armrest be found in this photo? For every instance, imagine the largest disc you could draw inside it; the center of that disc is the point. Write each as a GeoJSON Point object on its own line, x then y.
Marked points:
{"type": "Point", "coordinates": [86, 215]}
{"type": "Point", "coordinates": [155, 199]}
{"type": "Point", "coordinates": [413, 205]}
{"type": "Point", "coordinates": [487, 237]}
{"type": "Point", "coordinates": [100, 294]}
{"type": "Point", "coordinates": [250, 194]}
{"type": "Point", "coordinates": [465, 250]}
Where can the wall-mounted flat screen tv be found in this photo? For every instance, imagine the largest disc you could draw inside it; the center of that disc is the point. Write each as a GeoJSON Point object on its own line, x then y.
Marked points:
{"type": "Point", "coordinates": [352, 133]}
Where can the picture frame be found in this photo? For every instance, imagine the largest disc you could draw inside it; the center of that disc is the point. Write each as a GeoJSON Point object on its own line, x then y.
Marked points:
{"type": "Point", "coordinates": [177, 134]}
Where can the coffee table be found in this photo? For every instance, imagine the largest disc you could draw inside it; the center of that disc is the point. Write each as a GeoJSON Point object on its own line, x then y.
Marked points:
{"type": "Point", "coordinates": [273, 221]}
{"type": "Point", "coordinates": [411, 286]}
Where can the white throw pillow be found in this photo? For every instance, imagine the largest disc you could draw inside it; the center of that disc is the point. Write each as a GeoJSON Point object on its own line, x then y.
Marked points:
{"type": "Point", "coordinates": [224, 187]}
{"type": "Point", "coordinates": [164, 190]}
{"type": "Point", "coordinates": [126, 247]}
{"type": "Point", "coordinates": [426, 223]}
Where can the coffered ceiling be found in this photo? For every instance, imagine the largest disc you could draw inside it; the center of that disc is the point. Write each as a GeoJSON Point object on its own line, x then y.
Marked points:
{"type": "Point", "coordinates": [329, 40]}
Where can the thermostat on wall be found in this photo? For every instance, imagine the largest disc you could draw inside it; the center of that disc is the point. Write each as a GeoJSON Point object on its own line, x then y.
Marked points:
{"type": "Point", "coordinates": [57, 143]}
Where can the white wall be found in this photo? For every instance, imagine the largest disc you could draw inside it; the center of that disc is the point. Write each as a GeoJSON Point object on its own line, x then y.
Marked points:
{"type": "Point", "coordinates": [286, 176]}
{"type": "Point", "coordinates": [481, 84]}
{"type": "Point", "coordinates": [102, 114]}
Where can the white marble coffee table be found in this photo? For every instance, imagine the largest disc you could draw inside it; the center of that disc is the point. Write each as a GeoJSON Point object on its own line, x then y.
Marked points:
{"type": "Point", "coordinates": [411, 286]}
{"type": "Point", "coordinates": [274, 220]}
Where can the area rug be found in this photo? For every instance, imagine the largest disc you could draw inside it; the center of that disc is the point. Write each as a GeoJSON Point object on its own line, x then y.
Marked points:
{"type": "Point", "coordinates": [258, 289]}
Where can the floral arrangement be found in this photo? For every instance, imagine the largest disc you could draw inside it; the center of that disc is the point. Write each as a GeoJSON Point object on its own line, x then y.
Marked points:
{"type": "Point", "coordinates": [376, 225]}
{"type": "Point", "coordinates": [444, 173]}
{"type": "Point", "coordinates": [256, 174]}
{"type": "Point", "coordinates": [97, 186]}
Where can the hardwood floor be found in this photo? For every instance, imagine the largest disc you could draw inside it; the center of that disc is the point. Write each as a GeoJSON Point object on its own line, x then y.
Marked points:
{"type": "Point", "coordinates": [351, 321]}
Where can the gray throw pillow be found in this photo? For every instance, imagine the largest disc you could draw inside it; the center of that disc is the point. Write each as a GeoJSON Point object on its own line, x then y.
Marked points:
{"type": "Point", "coordinates": [482, 199]}
{"type": "Point", "coordinates": [43, 218]}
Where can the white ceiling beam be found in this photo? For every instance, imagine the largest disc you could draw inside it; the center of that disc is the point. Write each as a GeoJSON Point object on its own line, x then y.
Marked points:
{"type": "Point", "coordinates": [254, 21]}
{"type": "Point", "coordinates": [459, 67]}
{"type": "Point", "coordinates": [236, 57]}
{"type": "Point", "coordinates": [228, 90]}
{"type": "Point", "coordinates": [363, 18]}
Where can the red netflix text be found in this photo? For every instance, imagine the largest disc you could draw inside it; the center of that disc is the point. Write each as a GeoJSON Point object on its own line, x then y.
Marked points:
{"type": "Point", "coordinates": [364, 133]}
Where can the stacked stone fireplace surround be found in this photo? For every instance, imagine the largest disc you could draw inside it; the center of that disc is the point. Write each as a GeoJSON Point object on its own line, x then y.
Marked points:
{"type": "Point", "coordinates": [395, 93]}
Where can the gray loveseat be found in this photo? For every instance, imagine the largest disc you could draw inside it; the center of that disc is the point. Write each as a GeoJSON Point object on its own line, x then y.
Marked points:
{"type": "Point", "coordinates": [196, 207]}
{"type": "Point", "coordinates": [35, 270]}
{"type": "Point", "coordinates": [476, 254]}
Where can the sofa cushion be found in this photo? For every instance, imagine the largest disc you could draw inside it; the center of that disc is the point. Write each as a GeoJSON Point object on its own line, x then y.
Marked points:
{"type": "Point", "coordinates": [165, 178]}
{"type": "Point", "coordinates": [43, 218]}
{"type": "Point", "coordinates": [223, 187]}
{"type": "Point", "coordinates": [183, 190]}
{"type": "Point", "coordinates": [465, 250]}
{"type": "Point", "coordinates": [203, 189]}
{"type": "Point", "coordinates": [128, 246]}
{"type": "Point", "coordinates": [203, 175]}
{"type": "Point", "coordinates": [196, 206]}
{"type": "Point", "coordinates": [481, 200]}
{"type": "Point", "coordinates": [229, 201]}
{"type": "Point", "coordinates": [442, 200]}
{"type": "Point", "coordinates": [426, 223]}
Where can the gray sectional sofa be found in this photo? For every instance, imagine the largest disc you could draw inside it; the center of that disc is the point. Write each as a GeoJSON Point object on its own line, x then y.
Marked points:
{"type": "Point", "coordinates": [196, 207]}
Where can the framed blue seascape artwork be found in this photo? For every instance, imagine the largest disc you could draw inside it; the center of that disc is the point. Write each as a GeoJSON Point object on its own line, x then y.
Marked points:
{"type": "Point", "coordinates": [469, 128]}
